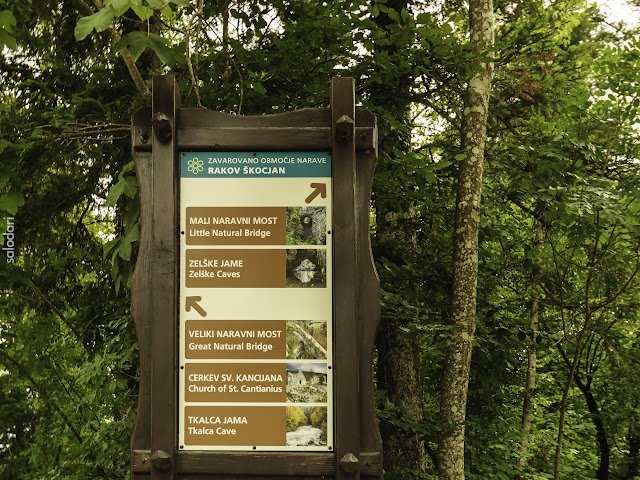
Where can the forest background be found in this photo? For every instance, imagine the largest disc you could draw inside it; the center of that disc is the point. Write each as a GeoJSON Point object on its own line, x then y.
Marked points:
{"type": "Point", "coordinates": [554, 375]}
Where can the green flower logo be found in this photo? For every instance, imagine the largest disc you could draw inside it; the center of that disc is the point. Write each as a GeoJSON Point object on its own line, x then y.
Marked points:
{"type": "Point", "coordinates": [195, 165]}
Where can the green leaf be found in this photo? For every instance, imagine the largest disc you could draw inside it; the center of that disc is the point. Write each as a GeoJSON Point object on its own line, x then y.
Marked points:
{"type": "Point", "coordinates": [393, 15]}
{"type": "Point", "coordinates": [441, 165]}
{"type": "Point", "coordinates": [258, 87]}
{"type": "Point", "coordinates": [124, 250]}
{"type": "Point", "coordinates": [162, 49]}
{"type": "Point", "coordinates": [129, 167]}
{"type": "Point", "coordinates": [99, 21]}
{"type": "Point", "coordinates": [107, 247]}
{"type": "Point", "coordinates": [430, 177]}
{"type": "Point", "coordinates": [10, 202]}
{"type": "Point", "coordinates": [7, 21]}
{"type": "Point", "coordinates": [144, 13]}
{"type": "Point", "coordinates": [137, 42]}
{"type": "Point", "coordinates": [120, 6]}
{"type": "Point", "coordinates": [136, 48]}
{"type": "Point", "coordinates": [156, 4]}
{"type": "Point", "coordinates": [127, 186]}
{"type": "Point", "coordinates": [460, 156]}
{"type": "Point", "coordinates": [423, 19]}
{"type": "Point", "coordinates": [125, 245]}
{"type": "Point", "coordinates": [8, 40]}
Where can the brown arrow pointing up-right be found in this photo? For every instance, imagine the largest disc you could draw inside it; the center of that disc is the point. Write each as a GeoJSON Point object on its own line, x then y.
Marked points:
{"type": "Point", "coordinates": [318, 189]}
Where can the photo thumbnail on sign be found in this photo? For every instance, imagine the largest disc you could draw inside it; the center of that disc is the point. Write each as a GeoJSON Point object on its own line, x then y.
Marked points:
{"type": "Point", "coordinates": [306, 226]}
{"type": "Point", "coordinates": [306, 382]}
{"type": "Point", "coordinates": [306, 426]}
{"type": "Point", "coordinates": [306, 339]}
{"type": "Point", "coordinates": [306, 268]}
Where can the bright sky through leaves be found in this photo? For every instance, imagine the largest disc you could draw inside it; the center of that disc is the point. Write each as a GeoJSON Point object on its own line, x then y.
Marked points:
{"type": "Point", "coordinates": [618, 10]}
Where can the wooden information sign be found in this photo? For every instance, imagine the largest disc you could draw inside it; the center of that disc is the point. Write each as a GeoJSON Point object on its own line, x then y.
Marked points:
{"type": "Point", "coordinates": [255, 298]}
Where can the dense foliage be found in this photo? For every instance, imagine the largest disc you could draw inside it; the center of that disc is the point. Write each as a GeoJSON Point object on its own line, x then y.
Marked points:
{"type": "Point", "coordinates": [559, 253]}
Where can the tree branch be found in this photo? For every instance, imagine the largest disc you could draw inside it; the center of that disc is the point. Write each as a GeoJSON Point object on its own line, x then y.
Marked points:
{"type": "Point", "coordinates": [43, 393]}
{"type": "Point", "coordinates": [124, 53]}
{"type": "Point", "coordinates": [52, 307]}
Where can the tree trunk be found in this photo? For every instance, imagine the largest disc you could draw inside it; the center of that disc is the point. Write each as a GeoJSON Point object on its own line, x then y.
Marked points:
{"type": "Point", "coordinates": [399, 377]}
{"type": "Point", "coordinates": [633, 465]}
{"type": "Point", "coordinates": [453, 402]}
{"type": "Point", "coordinates": [398, 371]}
{"type": "Point", "coordinates": [601, 433]}
{"type": "Point", "coordinates": [573, 365]}
{"type": "Point", "coordinates": [532, 356]}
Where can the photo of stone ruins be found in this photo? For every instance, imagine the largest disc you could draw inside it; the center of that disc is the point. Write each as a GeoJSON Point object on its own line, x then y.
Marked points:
{"type": "Point", "coordinates": [306, 382]}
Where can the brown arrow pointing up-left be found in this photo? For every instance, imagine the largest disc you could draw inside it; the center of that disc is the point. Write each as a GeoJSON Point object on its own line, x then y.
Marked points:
{"type": "Point", "coordinates": [192, 302]}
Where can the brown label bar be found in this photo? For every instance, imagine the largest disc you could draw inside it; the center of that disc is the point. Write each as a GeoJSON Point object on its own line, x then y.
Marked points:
{"type": "Point", "coordinates": [246, 339]}
{"type": "Point", "coordinates": [236, 225]}
{"type": "Point", "coordinates": [235, 382]}
{"type": "Point", "coordinates": [237, 426]}
{"type": "Point", "coordinates": [235, 268]}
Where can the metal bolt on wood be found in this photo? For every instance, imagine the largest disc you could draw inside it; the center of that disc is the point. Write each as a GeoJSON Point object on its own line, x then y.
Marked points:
{"type": "Point", "coordinates": [144, 135]}
{"type": "Point", "coordinates": [161, 460]}
{"type": "Point", "coordinates": [344, 129]}
{"type": "Point", "coordinates": [162, 127]}
{"type": "Point", "coordinates": [349, 463]}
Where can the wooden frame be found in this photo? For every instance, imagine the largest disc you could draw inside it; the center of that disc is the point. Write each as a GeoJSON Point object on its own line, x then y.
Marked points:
{"type": "Point", "coordinates": [158, 135]}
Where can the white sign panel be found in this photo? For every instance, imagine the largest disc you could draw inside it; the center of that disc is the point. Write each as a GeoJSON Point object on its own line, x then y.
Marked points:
{"type": "Point", "coordinates": [255, 301]}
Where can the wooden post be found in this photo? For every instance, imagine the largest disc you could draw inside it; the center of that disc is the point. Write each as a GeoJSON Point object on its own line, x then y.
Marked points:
{"type": "Point", "coordinates": [368, 296]}
{"type": "Point", "coordinates": [164, 280]}
{"type": "Point", "coordinates": [141, 292]}
{"type": "Point", "coordinates": [347, 398]}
